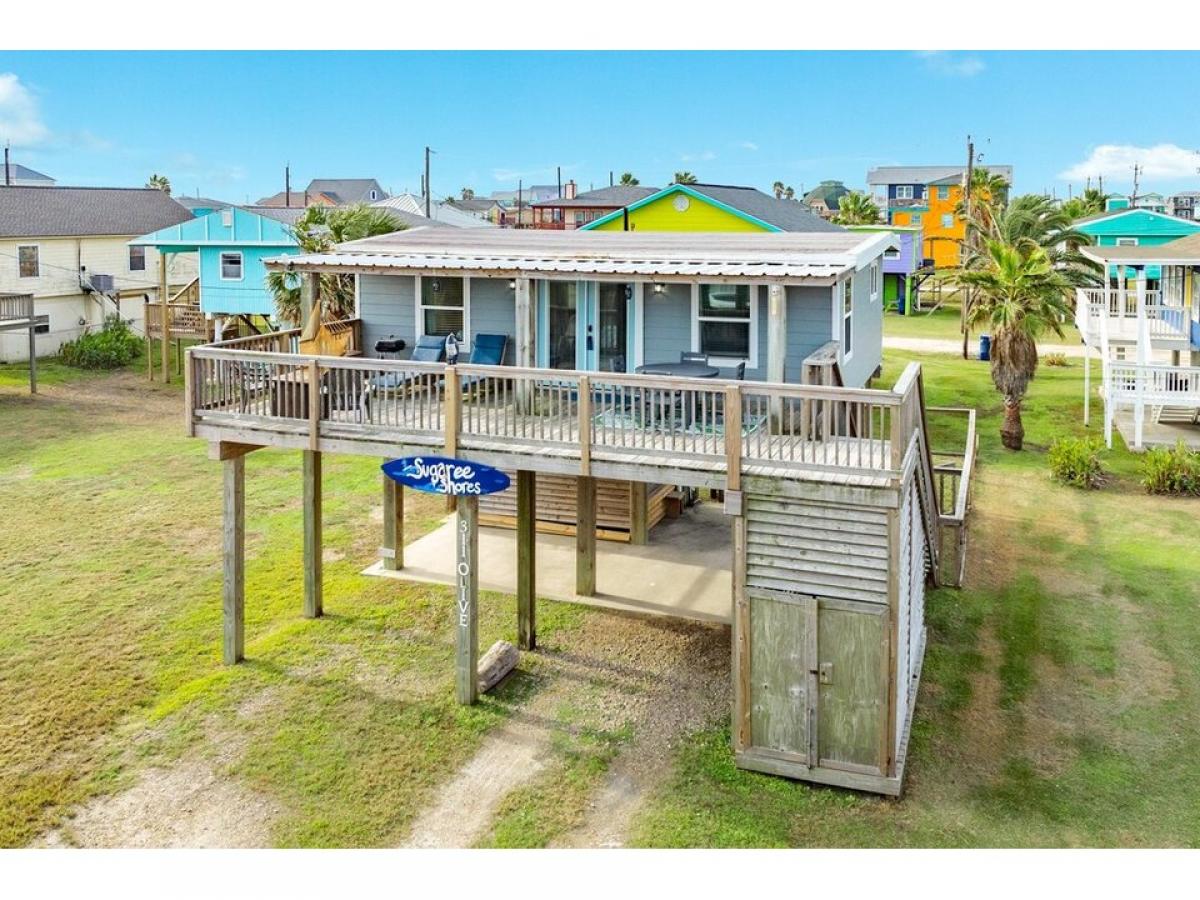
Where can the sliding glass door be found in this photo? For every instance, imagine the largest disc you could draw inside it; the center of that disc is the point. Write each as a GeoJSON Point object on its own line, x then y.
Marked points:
{"type": "Point", "coordinates": [586, 325]}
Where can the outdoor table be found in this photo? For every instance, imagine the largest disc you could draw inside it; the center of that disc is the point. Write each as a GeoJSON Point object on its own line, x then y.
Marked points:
{"type": "Point", "coordinates": [678, 370]}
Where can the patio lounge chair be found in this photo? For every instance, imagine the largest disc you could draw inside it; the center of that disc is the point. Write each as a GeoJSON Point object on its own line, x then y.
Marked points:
{"type": "Point", "coordinates": [430, 348]}
{"type": "Point", "coordinates": [486, 350]}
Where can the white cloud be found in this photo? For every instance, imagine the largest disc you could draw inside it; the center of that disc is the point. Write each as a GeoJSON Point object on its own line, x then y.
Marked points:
{"type": "Point", "coordinates": [20, 118]}
{"type": "Point", "coordinates": [1118, 160]}
{"type": "Point", "coordinates": [942, 62]}
{"type": "Point", "coordinates": [703, 156]}
{"type": "Point", "coordinates": [748, 145]}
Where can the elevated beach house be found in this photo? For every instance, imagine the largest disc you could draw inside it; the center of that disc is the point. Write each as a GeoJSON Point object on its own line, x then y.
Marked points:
{"type": "Point", "coordinates": [833, 513]}
{"type": "Point", "coordinates": [68, 248]}
{"type": "Point", "coordinates": [1135, 227]}
{"type": "Point", "coordinates": [1144, 324]}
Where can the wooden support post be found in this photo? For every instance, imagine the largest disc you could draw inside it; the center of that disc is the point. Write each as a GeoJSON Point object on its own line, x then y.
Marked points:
{"type": "Point", "coordinates": [585, 536]}
{"type": "Point", "coordinates": [234, 552]}
{"type": "Point", "coordinates": [526, 559]}
{"type": "Point", "coordinates": [453, 411]}
{"type": "Point", "coordinates": [776, 345]}
{"type": "Point", "coordinates": [146, 307]}
{"type": "Point", "coordinates": [312, 535]}
{"type": "Point", "coordinates": [1087, 385]}
{"type": "Point", "coordinates": [392, 550]}
{"type": "Point", "coordinates": [639, 514]}
{"type": "Point", "coordinates": [189, 399]}
{"type": "Point", "coordinates": [741, 639]}
{"type": "Point", "coordinates": [466, 610]}
{"type": "Point", "coordinates": [585, 425]}
{"type": "Point", "coordinates": [165, 324]}
{"type": "Point", "coordinates": [310, 289]}
{"type": "Point", "coordinates": [32, 359]}
{"type": "Point", "coordinates": [525, 326]}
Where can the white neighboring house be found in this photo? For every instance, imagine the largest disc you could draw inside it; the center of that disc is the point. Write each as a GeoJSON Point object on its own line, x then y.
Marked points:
{"type": "Point", "coordinates": [68, 246]}
{"type": "Point", "coordinates": [440, 213]}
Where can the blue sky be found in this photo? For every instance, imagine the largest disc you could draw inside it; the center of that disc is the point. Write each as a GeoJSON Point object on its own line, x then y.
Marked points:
{"type": "Point", "coordinates": [226, 123]}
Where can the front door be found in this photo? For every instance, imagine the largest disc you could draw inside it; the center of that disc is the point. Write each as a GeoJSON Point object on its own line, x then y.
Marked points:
{"type": "Point", "coordinates": [586, 325]}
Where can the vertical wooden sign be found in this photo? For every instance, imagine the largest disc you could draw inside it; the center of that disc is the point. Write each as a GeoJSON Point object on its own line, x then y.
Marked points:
{"type": "Point", "coordinates": [466, 607]}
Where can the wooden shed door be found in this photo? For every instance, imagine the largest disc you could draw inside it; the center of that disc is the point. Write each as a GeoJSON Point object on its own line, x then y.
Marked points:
{"type": "Point", "coordinates": [783, 638]}
{"type": "Point", "coordinates": [853, 685]}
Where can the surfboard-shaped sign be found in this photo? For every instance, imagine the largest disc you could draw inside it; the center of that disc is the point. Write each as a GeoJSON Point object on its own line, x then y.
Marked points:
{"type": "Point", "coordinates": [443, 475]}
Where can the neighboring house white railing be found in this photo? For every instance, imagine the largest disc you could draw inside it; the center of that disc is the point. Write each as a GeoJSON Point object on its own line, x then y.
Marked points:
{"type": "Point", "coordinates": [1142, 386]}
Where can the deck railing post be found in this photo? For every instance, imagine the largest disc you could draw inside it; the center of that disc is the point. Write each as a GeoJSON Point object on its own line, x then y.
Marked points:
{"type": "Point", "coordinates": [313, 549]}
{"type": "Point", "coordinates": [585, 425]}
{"type": "Point", "coordinates": [453, 415]}
{"type": "Point", "coordinates": [234, 554]}
{"type": "Point", "coordinates": [527, 559]}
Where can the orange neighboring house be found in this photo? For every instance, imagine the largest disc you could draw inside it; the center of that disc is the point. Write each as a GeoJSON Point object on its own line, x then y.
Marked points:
{"type": "Point", "coordinates": [927, 197]}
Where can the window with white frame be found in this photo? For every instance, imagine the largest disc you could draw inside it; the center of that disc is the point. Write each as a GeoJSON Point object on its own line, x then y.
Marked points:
{"type": "Point", "coordinates": [947, 220]}
{"type": "Point", "coordinates": [904, 192]}
{"type": "Point", "coordinates": [874, 281]}
{"type": "Point", "coordinates": [724, 322]}
{"type": "Point", "coordinates": [943, 192]}
{"type": "Point", "coordinates": [891, 253]}
{"type": "Point", "coordinates": [231, 265]}
{"type": "Point", "coordinates": [28, 261]}
{"type": "Point", "coordinates": [442, 306]}
{"type": "Point", "coordinates": [916, 218]}
{"type": "Point", "coordinates": [137, 259]}
{"type": "Point", "coordinates": [847, 317]}
{"type": "Point", "coordinates": [1127, 242]}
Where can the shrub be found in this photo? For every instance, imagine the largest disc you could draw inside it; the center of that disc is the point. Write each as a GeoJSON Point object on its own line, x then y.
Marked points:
{"type": "Point", "coordinates": [113, 346]}
{"type": "Point", "coordinates": [1076, 462]}
{"type": "Point", "coordinates": [1174, 471]}
{"type": "Point", "coordinates": [1058, 360]}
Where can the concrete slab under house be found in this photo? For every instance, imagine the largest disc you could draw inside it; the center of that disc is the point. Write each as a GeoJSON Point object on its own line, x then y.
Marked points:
{"type": "Point", "coordinates": [836, 510]}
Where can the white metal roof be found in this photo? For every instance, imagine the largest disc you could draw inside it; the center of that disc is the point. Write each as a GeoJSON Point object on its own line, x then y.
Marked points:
{"type": "Point", "coordinates": [774, 256]}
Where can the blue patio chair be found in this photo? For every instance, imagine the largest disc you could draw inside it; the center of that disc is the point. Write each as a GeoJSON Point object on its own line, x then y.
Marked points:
{"type": "Point", "coordinates": [430, 348]}
{"type": "Point", "coordinates": [486, 350]}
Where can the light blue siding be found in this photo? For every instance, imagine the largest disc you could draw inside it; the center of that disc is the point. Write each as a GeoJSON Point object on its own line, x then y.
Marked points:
{"type": "Point", "coordinates": [386, 304]}
{"type": "Point", "coordinates": [248, 296]}
{"type": "Point", "coordinates": [809, 325]}
{"type": "Point", "coordinates": [868, 332]}
{"type": "Point", "coordinates": [494, 311]}
{"type": "Point", "coordinates": [666, 323]}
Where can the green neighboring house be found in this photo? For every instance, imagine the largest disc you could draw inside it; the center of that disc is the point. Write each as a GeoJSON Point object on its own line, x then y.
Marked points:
{"type": "Point", "coordinates": [1135, 228]}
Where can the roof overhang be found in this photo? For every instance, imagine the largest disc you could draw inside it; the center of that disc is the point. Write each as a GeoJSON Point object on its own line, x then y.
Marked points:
{"type": "Point", "coordinates": [661, 256]}
{"type": "Point", "coordinates": [1141, 256]}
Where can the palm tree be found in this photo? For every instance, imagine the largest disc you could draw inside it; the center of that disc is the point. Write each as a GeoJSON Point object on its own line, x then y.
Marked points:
{"type": "Point", "coordinates": [788, 193]}
{"type": "Point", "coordinates": [468, 194]}
{"type": "Point", "coordinates": [318, 230]}
{"type": "Point", "coordinates": [1089, 203]}
{"type": "Point", "coordinates": [1018, 294]}
{"type": "Point", "coordinates": [857, 208]}
{"type": "Point", "coordinates": [685, 178]}
{"type": "Point", "coordinates": [159, 183]}
{"type": "Point", "coordinates": [780, 190]}
{"type": "Point", "coordinates": [627, 178]}
{"type": "Point", "coordinates": [1031, 220]}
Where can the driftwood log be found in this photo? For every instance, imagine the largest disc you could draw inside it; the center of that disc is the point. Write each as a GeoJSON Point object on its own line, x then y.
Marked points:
{"type": "Point", "coordinates": [500, 659]}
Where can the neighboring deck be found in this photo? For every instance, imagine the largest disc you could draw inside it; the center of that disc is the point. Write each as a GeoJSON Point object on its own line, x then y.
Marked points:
{"type": "Point", "coordinates": [17, 314]}
{"type": "Point", "coordinates": [1108, 316]}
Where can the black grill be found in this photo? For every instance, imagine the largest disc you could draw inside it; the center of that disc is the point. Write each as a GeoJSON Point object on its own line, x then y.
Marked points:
{"type": "Point", "coordinates": [389, 344]}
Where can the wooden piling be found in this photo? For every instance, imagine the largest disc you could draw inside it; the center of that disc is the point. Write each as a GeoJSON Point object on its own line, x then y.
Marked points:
{"type": "Point", "coordinates": [392, 551]}
{"type": "Point", "coordinates": [527, 559]}
{"type": "Point", "coordinates": [585, 536]}
{"type": "Point", "coordinates": [313, 606]}
{"type": "Point", "coordinates": [234, 539]}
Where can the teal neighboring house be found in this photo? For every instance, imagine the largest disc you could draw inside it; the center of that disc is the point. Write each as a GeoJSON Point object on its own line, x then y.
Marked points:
{"type": "Point", "coordinates": [232, 244]}
{"type": "Point", "coordinates": [1135, 228]}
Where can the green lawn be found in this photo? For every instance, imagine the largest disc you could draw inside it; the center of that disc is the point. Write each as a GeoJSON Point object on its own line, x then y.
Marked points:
{"type": "Point", "coordinates": [110, 595]}
{"type": "Point", "coordinates": [944, 324]}
{"type": "Point", "coordinates": [1061, 694]}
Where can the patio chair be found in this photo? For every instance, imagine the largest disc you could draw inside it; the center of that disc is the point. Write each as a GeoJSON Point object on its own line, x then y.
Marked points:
{"type": "Point", "coordinates": [486, 350]}
{"type": "Point", "coordinates": [430, 348]}
{"type": "Point", "coordinates": [739, 373]}
{"type": "Point", "coordinates": [346, 391]}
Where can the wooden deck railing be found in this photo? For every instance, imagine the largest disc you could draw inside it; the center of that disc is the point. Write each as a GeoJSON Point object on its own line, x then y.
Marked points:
{"type": "Point", "coordinates": [953, 467]}
{"type": "Point", "coordinates": [782, 429]}
{"type": "Point", "coordinates": [16, 307]}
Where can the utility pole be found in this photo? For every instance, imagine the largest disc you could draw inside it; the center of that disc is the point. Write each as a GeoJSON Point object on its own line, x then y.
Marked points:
{"type": "Point", "coordinates": [1137, 173]}
{"type": "Point", "coordinates": [965, 304]}
{"type": "Point", "coordinates": [287, 185]}
{"type": "Point", "coordinates": [428, 189]}
{"type": "Point", "coordinates": [520, 192]}
{"type": "Point", "coordinates": [7, 168]}
{"type": "Point", "coordinates": [559, 170]}
{"type": "Point", "coordinates": [610, 178]}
